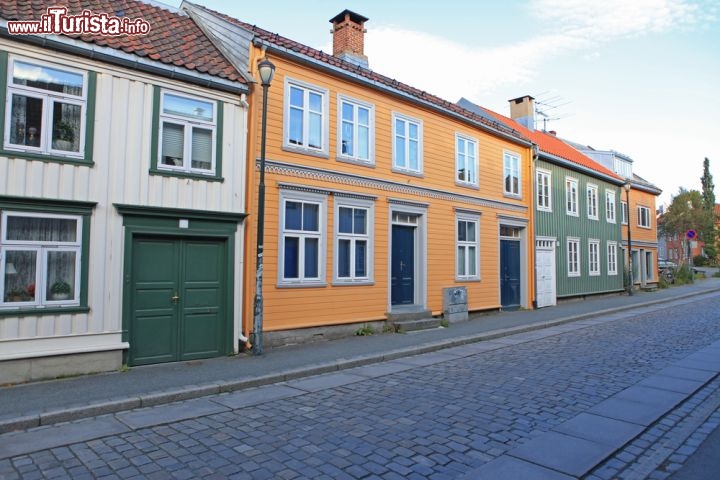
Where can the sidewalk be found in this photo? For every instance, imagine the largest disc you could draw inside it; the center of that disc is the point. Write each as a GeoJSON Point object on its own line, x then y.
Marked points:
{"type": "Point", "coordinates": [44, 403]}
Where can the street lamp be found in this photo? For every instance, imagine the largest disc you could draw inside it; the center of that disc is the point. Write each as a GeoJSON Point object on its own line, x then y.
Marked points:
{"type": "Point", "coordinates": [266, 70]}
{"type": "Point", "coordinates": [689, 244]}
{"type": "Point", "coordinates": [628, 186]}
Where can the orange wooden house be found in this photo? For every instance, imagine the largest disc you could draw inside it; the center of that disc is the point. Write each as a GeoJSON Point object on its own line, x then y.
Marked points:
{"type": "Point", "coordinates": [378, 195]}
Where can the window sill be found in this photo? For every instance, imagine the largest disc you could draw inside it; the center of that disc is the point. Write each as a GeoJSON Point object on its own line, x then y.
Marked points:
{"type": "Point", "coordinates": [306, 151]}
{"type": "Point", "coordinates": [193, 176]}
{"type": "Point", "coordinates": [302, 285]}
{"type": "Point", "coordinates": [355, 161]}
{"type": "Point", "coordinates": [546, 210]}
{"type": "Point", "coordinates": [350, 283]}
{"type": "Point", "coordinates": [472, 186]}
{"type": "Point", "coordinates": [468, 279]}
{"type": "Point", "coordinates": [514, 196]}
{"type": "Point", "coordinates": [411, 173]}
{"type": "Point", "coordinates": [35, 311]}
{"type": "Point", "coordinates": [46, 157]}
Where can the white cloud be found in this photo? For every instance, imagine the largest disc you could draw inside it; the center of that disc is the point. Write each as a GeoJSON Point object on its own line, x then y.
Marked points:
{"type": "Point", "coordinates": [566, 26]}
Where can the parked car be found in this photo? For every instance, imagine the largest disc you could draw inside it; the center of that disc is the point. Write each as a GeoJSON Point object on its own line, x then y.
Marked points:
{"type": "Point", "coordinates": [664, 264]}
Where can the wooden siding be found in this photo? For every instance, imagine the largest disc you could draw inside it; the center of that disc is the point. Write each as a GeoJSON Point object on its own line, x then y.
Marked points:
{"type": "Point", "coordinates": [643, 238]}
{"type": "Point", "coordinates": [560, 225]}
{"type": "Point", "coordinates": [120, 174]}
{"type": "Point", "coordinates": [298, 307]}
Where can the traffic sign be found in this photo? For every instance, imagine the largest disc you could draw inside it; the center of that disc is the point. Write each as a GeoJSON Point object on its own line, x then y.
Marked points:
{"type": "Point", "coordinates": [690, 234]}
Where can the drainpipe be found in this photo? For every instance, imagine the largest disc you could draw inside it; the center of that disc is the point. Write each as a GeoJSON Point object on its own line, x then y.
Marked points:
{"type": "Point", "coordinates": [533, 202]}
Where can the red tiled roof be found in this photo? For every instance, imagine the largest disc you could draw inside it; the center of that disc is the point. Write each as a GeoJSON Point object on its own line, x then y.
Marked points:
{"type": "Point", "coordinates": [550, 144]}
{"type": "Point", "coordinates": [330, 60]}
{"type": "Point", "coordinates": [174, 38]}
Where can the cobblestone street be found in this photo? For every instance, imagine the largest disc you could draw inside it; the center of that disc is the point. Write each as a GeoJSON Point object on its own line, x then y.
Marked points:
{"type": "Point", "coordinates": [433, 416]}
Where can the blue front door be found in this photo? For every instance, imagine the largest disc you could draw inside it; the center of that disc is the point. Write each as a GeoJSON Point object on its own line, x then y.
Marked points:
{"type": "Point", "coordinates": [402, 287]}
{"type": "Point", "coordinates": [510, 274]}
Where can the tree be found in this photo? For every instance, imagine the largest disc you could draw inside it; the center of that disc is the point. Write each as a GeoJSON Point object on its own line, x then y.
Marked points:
{"type": "Point", "coordinates": [708, 230]}
{"type": "Point", "coordinates": [684, 213]}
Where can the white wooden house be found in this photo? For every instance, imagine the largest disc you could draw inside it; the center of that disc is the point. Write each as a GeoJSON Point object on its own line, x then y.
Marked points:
{"type": "Point", "coordinates": [122, 196]}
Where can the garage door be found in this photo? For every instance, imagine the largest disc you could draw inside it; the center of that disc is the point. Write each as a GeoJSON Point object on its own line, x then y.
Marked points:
{"type": "Point", "coordinates": [178, 296]}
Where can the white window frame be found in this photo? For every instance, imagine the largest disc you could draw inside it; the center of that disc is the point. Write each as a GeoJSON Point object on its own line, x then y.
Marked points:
{"type": "Point", "coordinates": [573, 257]}
{"type": "Point", "coordinates": [594, 257]}
{"type": "Point", "coordinates": [42, 249]}
{"type": "Point", "coordinates": [571, 197]}
{"type": "Point", "coordinates": [320, 234]}
{"type": "Point", "coordinates": [356, 104]}
{"type": "Point", "coordinates": [612, 258]}
{"type": "Point", "coordinates": [513, 169]}
{"type": "Point", "coordinates": [625, 212]}
{"type": "Point", "coordinates": [469, 218]}
{"type": "Point", "coordinates": [368, 236]}
{"type": "Point", "coordinates": [610, 216]}
{"type": "Point", "coordinates": [48, 98]}
{"type": "Point", "coordinates": [543, 182]}
{"type": "Point", "coordinates": [405, 166]}
{"type": "Point", "coordinates": [592, 202]}
{"type": "Point", "coordinates": [188, 125]}
{"type": "Point", "coordinates": [322, 150]}
{"type": "Point", "coordinates": [468, 159]}
{"type": "Point", "coordinates": [643, 213]}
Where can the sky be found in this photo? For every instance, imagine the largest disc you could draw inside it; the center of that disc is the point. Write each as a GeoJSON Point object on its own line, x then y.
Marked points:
{"type": "Point", "coordinates": [641, 77]}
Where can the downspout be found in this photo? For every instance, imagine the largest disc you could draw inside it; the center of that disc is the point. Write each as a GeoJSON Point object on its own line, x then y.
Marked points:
{"type": "Point", "coordinates": [533, 202]}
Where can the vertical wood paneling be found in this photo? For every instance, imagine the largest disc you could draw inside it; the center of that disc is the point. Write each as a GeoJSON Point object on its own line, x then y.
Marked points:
{"type": "Point", "coordinates": [120, 174]}
{"type": "Point", "coordinates": [561, 226]}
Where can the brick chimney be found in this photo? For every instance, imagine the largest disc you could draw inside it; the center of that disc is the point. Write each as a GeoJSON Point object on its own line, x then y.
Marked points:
{"type": "Point", "coordinates": [522, 109]}
{"type": "Point", "coordinates": [349, 37]}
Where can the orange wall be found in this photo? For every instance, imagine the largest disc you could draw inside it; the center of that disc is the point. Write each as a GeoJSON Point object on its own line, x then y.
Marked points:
{"type": "Point", "coordinates": [295, 307]}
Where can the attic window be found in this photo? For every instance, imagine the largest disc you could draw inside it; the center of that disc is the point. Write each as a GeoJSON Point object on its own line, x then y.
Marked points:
{"type": "Point", "coordinates": [120, 13]}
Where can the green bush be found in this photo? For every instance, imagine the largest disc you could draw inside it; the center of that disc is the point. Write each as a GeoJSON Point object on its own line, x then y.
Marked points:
{"type": "Point", "coordinates": [364, 331]}
{"type": "Point", "coordinates": [700, 261]}
{"type": "Point", "coordinates": [683, 275]}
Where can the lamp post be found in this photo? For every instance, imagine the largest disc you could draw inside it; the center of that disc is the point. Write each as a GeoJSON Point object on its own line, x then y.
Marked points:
{"type": "Point", "coordinates": [266, 70]}
{"type": "Point", "coordinates": [627, 187]}
{"type": "Point", "coordinates": [689, 243]}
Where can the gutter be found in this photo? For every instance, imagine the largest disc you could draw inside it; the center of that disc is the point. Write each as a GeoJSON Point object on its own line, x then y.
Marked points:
{"type": "Point", "coordinates": [567, 163]}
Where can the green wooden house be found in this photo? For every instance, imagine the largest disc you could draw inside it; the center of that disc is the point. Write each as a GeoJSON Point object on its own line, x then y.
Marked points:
{"type": "Point", "coordinates": [577, 218]}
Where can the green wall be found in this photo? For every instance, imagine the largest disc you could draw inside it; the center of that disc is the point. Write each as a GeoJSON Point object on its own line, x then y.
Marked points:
{"type": "Point", "coordinates": [560, 225]}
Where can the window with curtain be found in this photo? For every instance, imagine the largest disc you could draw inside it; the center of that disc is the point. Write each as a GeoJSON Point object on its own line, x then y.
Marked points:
{"type": "Point", "coordinates": [571, 196]}
{"type": "Point", "coordinates": [573, 257]}
{"type": "Point", "coordinates": [467, 247]}
{"type": "Point", "coordinates": [187, 134]}
{"type": "Point", "coordinates": [612, 258]}
{"type": "Point", "coordinates": [466, 164]}
{"type": "Point", "coordinates": [610, 206]}
{"type": "Point", "coordinates": [543, 189]}
{"type": "Point", "coordinates": [40, 259]}
{"type": "Point", "coordinates": [47, 107]}
{"type": "Point", "coordinates": [592, 202]}
{"type": "Point", "coordinates": [511, 174]}
{"type": "Point", "coordinates": [594, 257]}
{"type": "Point", "coordinates": [356, 121]}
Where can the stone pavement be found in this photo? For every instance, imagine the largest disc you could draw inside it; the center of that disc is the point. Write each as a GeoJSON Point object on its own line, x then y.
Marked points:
{"type": "Point", "coordinates": [45, 403]}
{"type": "Point", "coordinates": [511, 414]}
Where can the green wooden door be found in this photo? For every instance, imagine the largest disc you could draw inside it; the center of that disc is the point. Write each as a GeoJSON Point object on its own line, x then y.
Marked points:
{"type": "Point", "coordinates": [178, 294]}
